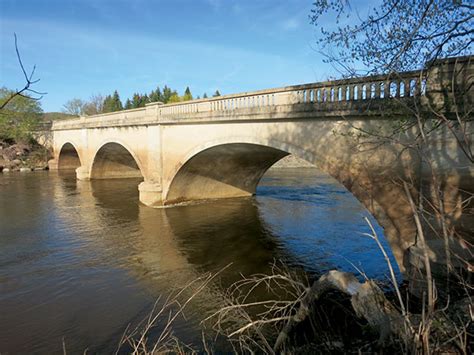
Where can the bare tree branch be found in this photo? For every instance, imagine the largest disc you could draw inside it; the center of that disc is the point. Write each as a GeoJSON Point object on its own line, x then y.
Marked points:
{"type": "Point", "coordinates": [29, 81]}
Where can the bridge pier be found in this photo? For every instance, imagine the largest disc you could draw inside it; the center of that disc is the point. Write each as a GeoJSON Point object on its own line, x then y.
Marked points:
{"type": "Point", "coordinates": [82, 173]}
{"type": "Point", "coordinates": [150, 193]}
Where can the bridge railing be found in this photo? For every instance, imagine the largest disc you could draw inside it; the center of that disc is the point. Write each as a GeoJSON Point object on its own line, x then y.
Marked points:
{"type": "Point", "coordinates": [348, 94]}
{"type": "Point", "coordinates": [407, 84]}
{"type": "Point", "coordinates": [323, 94]}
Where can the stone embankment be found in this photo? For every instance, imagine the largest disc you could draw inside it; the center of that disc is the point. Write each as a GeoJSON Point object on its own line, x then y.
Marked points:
{"type": "Point", "coordinates": [23, 157]}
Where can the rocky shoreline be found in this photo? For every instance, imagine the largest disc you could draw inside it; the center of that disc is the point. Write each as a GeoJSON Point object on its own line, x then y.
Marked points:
{"type": "Point", "coordinates": [23, 157]}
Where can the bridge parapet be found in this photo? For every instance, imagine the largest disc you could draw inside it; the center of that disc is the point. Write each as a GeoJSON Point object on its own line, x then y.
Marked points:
{"type": "Point", "coordinates": [368, 96]}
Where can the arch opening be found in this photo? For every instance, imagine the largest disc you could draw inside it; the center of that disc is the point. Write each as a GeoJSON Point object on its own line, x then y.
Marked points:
{"type": "Point", "coordinates": [233, 170]}
{"type": "Point", "coordinates": [227, 170]}
{"type": "Point", "coordinates": [68, 158]}
{"type": "Point", "coordinates": [114, 161]}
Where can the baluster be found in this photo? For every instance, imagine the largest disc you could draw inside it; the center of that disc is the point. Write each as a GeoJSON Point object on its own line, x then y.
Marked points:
{"type": "Point", "coordinates": [356, 92]}
{"type": "Point", "coordinates": [386, 87]}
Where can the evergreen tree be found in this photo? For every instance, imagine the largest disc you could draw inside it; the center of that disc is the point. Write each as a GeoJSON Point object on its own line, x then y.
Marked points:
{"type": "Point", "coordinates": [116, 103]}
{"type": "Point", "coordinates": [166, 94]}
{"type": "Point", "coordinates": [204, 96]}
{"type": "Point", "coordinates": [144, 100]}
{"type": "Point", "coordinates": [217, 93]}
{"type": "Point", "coordinates": [187, 94]}
{"type": "Point", "coordinates": [136, 100]}
{"type": "Point", "coordinates": [108, 104]}
{"type": "Point", "coordinates": [128, 104]}
{"type": "Point", "coordinates": [156, 95]}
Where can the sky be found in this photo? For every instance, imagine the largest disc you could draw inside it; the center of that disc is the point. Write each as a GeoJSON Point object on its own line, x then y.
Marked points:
{"type": "Point", "coordinates": [86, 47]}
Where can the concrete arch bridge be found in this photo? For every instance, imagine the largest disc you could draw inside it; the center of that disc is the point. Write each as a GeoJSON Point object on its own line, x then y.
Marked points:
{"type": "Point", "coordinates": [220, 147]}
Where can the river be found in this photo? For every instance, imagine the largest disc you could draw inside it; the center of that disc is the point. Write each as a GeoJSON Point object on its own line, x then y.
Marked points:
{"type": "Point", "coordinates": [79, 261]}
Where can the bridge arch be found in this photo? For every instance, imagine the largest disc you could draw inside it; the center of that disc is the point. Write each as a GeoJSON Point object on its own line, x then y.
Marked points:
{"type": "Point", "coordinates": [68, 157]}
{"type": "Point", "coordinates": [233, 168]}
{"type": "Point", "coordinates": [269, 151]}
{"type": "Point", "coordinates": [114, 160]}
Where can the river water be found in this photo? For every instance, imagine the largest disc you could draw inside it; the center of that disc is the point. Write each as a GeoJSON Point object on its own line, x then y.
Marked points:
{"type": "Point", "coordinates": [79, 261]}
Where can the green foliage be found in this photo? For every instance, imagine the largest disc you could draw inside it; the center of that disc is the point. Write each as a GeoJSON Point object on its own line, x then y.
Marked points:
{"type": "Point", "coordinates": [204, 96]}
{"type": "Point", "coordinates": [167, 93]}
{"type": "Point", "coordinates": [217, 93]}
{"type": "Point", "coordinates": [174, 98]}
{"type": "Point", "coordinates": [112, 103]}
{"type": "Point", "coordinates": [394, 36]}
{"type": "Point", "coordinates": [136, 100]}
{"type": "Point", "coordinates": [156, 95]}
{"type": "Point", "coordinates": [145, 100]}
{"type": "Point", "coordinates": [187, 94]}
{"type": "Point", "coordinates": [19, 117]}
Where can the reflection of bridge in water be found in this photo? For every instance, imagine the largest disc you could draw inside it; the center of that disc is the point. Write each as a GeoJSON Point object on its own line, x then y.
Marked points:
{"type": "Point", "coordinates": [165, 249]}
{"type": "Point", "coordinates": [221, 147]}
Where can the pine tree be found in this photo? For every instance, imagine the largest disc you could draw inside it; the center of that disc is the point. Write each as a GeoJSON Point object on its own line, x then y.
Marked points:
{"type": "Point", "coordinates": [136, 100]}
{"type": "Point", "coordinates": [217, 93]}
{"type": "Point", "coordinates": [156, 95]}
{"type": "Point", "coordinates": [166, 94]}
{"type": "Point", "coordinates": [144, 100]}
{"type": "Point", "coordinates": [116, 103]}
{"type": "Point", "coordinates": [204, 96]}
{"type": "Point", "coordinates": [187, 94]}
{"type": "Point", "coordinates": [108, 104]}
{"type": "Point", "coordinates": [128, 104]}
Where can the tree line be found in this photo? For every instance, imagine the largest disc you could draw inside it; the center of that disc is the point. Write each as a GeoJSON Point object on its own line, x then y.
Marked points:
{"type": "Point", "coordinates": [111, 103]}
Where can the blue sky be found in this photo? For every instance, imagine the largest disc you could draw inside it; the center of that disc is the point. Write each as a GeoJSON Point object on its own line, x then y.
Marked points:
{"type": "Point", "coordinates": [85, 47]}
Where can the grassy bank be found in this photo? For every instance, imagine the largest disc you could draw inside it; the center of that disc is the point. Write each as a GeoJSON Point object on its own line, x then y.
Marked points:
{"type": "Point", "coordinates": [335, 313]}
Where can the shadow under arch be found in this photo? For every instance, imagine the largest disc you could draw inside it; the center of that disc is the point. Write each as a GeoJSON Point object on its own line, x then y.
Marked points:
{"type": "Point", "coordinates": [234, 169]}
{"type": "Point", "coordinates": [225, 170]}
{"type": "Point", "coordinates": [68, 158]}
{"type": "Point", "coordinates": [114, 161]}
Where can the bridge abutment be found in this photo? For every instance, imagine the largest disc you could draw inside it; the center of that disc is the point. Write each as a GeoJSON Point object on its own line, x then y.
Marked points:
{"type": "Point", "coordinates": [53, 164]}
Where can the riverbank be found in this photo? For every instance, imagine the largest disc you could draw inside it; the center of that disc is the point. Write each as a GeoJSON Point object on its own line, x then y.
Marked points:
{"type": "Point", "coordinates": [23, 157]}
